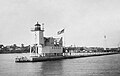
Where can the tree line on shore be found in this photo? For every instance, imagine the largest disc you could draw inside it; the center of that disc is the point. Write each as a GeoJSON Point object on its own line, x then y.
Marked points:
{"type": "Point", "coordinates": [25, 49]}
{"type": "Point", "coordinates": [14, 49]}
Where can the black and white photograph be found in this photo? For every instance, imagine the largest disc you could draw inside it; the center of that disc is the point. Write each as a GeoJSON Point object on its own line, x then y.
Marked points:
{"type": "Point", "coordinates": [59, 37]}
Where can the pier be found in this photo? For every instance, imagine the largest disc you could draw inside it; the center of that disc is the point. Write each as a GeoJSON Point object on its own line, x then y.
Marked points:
{"type": "Point", "coordinates": [65, 56]}
{"type": "Point", "coordinates": [50, 48]}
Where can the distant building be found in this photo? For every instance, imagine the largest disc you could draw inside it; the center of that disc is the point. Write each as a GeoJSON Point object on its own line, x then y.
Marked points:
{"type": "Point", "coordinates": [1, 47]}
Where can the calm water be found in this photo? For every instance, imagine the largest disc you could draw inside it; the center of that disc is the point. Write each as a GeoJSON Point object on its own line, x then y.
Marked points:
{"type": "Point", "coordinates": [90, 66]}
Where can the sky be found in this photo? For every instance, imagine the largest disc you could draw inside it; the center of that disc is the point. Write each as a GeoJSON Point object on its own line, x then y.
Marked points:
{"type": "Point", "coordinates": [86, 22]}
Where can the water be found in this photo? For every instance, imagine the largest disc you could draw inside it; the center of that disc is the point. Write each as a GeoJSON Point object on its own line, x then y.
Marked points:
{"type": "Point", "coordinates": [89, 66]}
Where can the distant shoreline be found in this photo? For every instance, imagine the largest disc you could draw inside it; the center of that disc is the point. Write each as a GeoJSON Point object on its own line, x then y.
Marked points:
{"type": "Point", "coordinates": [13, 52]}
{"type": "Point", "coordinates": [28, 52]}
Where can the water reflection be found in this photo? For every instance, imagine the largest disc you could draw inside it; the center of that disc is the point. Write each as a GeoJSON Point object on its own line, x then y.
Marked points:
{"type": "Point", "coordinates": [90, 66]}
{"type": "Point", "coordinates": [52, 68]}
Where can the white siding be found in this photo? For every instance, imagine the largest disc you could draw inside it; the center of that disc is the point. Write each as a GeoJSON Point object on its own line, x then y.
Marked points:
{"type": "Point", "coordinates": [52, 49]}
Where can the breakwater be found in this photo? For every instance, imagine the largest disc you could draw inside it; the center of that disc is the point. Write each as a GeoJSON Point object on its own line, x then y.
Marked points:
{"type": "Point", "coordinates": [65, 56]}
{"type": "Point", "coordinates": [79, 55]}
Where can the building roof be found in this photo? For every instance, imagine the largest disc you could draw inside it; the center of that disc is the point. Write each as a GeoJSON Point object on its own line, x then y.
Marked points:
{"type": "Point", "coordinates": [37, 24]}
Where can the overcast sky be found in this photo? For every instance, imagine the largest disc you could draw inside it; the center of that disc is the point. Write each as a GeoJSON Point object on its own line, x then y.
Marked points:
{"type": "Point", "coordinates": [85, 21]}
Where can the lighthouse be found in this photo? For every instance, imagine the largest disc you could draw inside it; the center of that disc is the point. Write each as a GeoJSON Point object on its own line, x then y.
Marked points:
{"type": "Point", "coordinates": [39, 37]}
{"type": "Point", "coordinates": [45, 46]}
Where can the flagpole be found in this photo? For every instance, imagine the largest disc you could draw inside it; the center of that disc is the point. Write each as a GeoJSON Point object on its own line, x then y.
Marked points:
{"type": "Point", "coordinates": [64, 37]}
{"type": "Point", "coordinates": [105, 41]}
